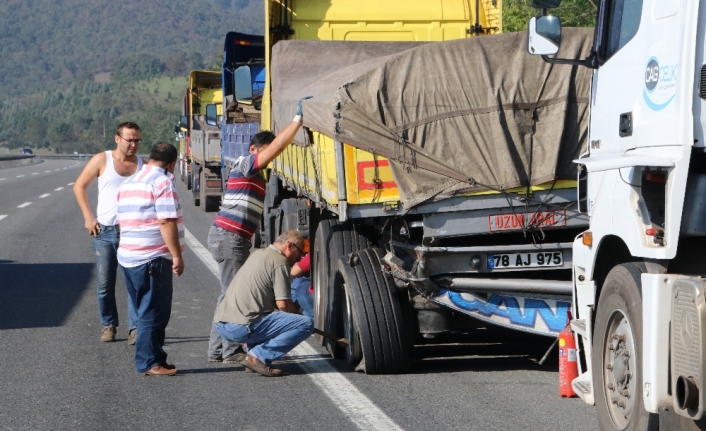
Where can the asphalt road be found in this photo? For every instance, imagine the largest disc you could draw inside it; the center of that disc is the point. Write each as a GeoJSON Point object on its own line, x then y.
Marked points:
{"type": "Point", "coordinates": [56, 374]}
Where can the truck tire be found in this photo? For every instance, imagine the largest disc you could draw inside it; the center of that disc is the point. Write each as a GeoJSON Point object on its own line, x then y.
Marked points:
{"type": "Point", "coordinates": [376, 327]}
{"type": "Point", "coordinates": [619, 325]}
{"type": "Point", "coordinates": [195, 186]}
{"type": "Point", "coordinates": [207, 202]}
{"type": "Point", "coordinates": [332, 240]}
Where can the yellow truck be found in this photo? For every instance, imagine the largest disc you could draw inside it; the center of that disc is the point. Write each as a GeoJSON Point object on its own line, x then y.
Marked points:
{"type": "Point", "coordinates": [200, 164]}
{"type": "Point", "coordinates": [423, 216]}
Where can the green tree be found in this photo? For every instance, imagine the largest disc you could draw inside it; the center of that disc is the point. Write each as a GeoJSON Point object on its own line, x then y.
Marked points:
{"type": "Point", "coordinates": [573, 13]}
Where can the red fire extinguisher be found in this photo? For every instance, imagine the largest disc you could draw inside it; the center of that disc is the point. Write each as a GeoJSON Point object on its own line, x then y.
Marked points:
{"type": "Point", "coordinates": [568, 365]}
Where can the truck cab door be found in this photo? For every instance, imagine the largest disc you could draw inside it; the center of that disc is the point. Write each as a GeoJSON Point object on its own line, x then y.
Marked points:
{"type": "Point", "coordinates": [619, 81]}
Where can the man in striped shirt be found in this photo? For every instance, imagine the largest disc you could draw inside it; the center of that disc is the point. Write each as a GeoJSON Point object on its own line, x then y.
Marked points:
{"type": "Point", "coordinates": [229, 239]}
{"type": "Point", "coordinates": [151, 245]}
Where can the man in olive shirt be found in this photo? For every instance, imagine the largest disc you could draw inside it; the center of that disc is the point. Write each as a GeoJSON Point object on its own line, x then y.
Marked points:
{"type": "Point", "coordinates": [258, 310]}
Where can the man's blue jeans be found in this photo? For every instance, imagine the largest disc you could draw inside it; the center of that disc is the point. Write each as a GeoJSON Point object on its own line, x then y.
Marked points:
{"type": "Point", "coordinates": [302, 297]}
{"type": "Point", "coordinates": [270, 337]}
{"type": "Point", "coordinates": [150, 289]}
{"type": "Point", "coordinates": [106, 246]}
{"type": "Point", "coordinates": [231, 251]}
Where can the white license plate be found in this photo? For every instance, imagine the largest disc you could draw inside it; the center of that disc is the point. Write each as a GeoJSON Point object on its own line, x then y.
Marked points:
{"type": "Point", "coordinates": [525, 260]}
{"type": "Point", "coordinates": [499, 222]}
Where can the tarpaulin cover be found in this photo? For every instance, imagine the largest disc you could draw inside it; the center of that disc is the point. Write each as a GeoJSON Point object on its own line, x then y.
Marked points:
{"type": "Point", "coordinates": [458, 116]}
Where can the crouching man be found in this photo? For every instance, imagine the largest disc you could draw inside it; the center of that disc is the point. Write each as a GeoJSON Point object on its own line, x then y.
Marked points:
{"type": "Point", "coordinates": [258, 310]}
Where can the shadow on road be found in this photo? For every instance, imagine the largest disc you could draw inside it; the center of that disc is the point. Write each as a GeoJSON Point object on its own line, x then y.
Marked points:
{"type": "Point", "coordinates": [176, 340]}
{"type": "Point", "coordinates": [40, 295]}
{"type": "Point", "coordinates": [484, 349]}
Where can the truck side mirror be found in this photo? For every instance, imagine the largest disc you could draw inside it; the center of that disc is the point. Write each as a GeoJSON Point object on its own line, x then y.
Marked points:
{"type": "Point", "coordinates": [243, 85]}
{"type": "Point", "coordinates": [545, 4]}
{"type": "Point", "coordinates": [211, 115]}
{"type": "Point", "coordinates": [544, 35]}
{"type": "Point", "coordinates": [184, 122]}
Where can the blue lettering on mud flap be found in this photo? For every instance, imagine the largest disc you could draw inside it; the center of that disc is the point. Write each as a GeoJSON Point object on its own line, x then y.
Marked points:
{"type": "Point", "coordinates": [509, 308]}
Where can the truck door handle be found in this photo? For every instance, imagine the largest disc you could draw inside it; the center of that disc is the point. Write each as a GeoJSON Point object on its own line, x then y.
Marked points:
{"type": "Point", "coordinates": [625, 125]}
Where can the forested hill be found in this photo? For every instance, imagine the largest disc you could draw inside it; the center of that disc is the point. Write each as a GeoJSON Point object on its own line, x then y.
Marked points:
{"type": "Point", "coordinates": [48, 44]}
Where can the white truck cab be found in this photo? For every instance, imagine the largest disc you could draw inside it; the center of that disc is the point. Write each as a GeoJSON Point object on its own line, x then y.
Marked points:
{"type": "Point", "coordinates": [639, 286]}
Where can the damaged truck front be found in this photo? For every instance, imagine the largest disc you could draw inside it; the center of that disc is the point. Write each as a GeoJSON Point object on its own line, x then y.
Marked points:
{"type": "Point", "coordinates": [435, 182]}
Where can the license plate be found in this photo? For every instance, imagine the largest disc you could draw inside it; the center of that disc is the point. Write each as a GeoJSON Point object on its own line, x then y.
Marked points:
{"type": "Point", "coordinates": [500, 222]}
{"type": "Point", "coordinates": [525, 260]}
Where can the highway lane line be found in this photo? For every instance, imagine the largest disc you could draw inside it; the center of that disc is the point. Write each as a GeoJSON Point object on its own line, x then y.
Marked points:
{"type": "Point", "coordinates": [3, 216]}
{"type": "Point", "coordinates": [70, 184]}
{"type": "Point", "coordinates": [59, 188]}
{"type": "Point", "coordinates": [3, 179]}
{"type": "Point", "coordinates": [19, 176]}
{"type": "Point", "coordinates": [44, 195]}
{"type": "Point", "coordinates": [358, 408]}
{"type": "Point", "coordinates": [26, 204]}
{"type": "Point", "coordinates": [35, 173]}
{"type": "Point", "coordinates": [47, 171]}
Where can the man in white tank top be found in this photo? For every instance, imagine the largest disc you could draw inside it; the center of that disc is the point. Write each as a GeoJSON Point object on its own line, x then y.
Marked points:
{"type": "Point", "coordinates": [111, 168]}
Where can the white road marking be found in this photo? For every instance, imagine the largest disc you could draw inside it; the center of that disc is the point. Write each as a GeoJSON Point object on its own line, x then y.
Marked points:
{"type": "Point", "coordinates": [44, 195]}
{"type": "Point", "coordinates": [59, 188]}
{"type": "Point", "coordinates": [70, 184]}
{"type": "Point", "coordinates": [353, 404]}
{"type": "Point", "coordinates": [3, 179]}
{"type": "Point", "coordinates": [3, 216]}
{"type": "Point", "coordinates": [57, 169]}
{"type": "Point", "coordinates": [26, 204]}
{"type": "Point", "coordinates": [19, 176]}
{"type": "Point", "coordinates": [47, 171]}
{"type": "Point", "coordinates": [35, 173]}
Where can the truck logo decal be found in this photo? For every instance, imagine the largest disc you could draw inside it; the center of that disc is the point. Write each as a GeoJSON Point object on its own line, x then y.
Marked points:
{"type": "Point", "coordinates": [660, 84]}
{"type": "Point", "coordinates": [517, 312]}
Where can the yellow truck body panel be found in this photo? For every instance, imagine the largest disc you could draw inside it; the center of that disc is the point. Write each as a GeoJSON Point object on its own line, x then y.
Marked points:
{"type": "Point", "coordinates": [368, 177]}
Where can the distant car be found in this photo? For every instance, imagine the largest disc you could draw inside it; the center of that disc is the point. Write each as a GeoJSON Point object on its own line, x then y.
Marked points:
{"type": "Point", "coordinates": [27, 151]}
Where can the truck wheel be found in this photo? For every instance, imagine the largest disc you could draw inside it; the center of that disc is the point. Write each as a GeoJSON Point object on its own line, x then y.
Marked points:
{"type": "Point", "coordinates": [203, 198]}
{"type": "Point", "coordinates": [332, 240]}
{"type": "Point", "coordinates": [196, 186]}
{"type": "Point", "coordinates": [377, 325]}
{"type": "Point", "coordinates": [617, 347]}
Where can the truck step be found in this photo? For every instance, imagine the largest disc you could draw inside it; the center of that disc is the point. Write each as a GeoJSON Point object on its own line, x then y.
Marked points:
{"type": "Point", "coordinates": [579, 326]}
{"type": "Point", "coordinates": [583, 387]}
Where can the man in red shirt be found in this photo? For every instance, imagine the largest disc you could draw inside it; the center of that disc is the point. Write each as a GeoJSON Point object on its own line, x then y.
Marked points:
{"type": "Point", "coordinates": [302, 292]}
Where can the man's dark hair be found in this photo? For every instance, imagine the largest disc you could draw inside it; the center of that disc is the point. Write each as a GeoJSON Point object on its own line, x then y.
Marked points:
{"type": "Point", "coordinates": [127, 125]}
{"type": "Point", "coordinates": [163, 152]}
{"type": "Point", "coordinates": [263, 138]}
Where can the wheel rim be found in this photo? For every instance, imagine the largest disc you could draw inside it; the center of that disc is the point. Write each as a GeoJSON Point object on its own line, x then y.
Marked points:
{"type": "Point", "coordinates": [620, 369]}
{"type": "Point", "coordinates": [317, 287]}
{"type": "Point", "coordinates": [348, 322]}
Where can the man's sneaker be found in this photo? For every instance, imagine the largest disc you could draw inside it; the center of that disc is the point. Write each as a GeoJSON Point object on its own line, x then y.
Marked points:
{"type": "Point", "coordinates": [254, 364]}
{"type": "Point", "coordinates": [132, 336]}
{"type": "Point", "coordinates": [235, 358]}
{"type": "Point", "coordinates": [108, 334]}
{"type": "Point", "coordinates": [215, 359]}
